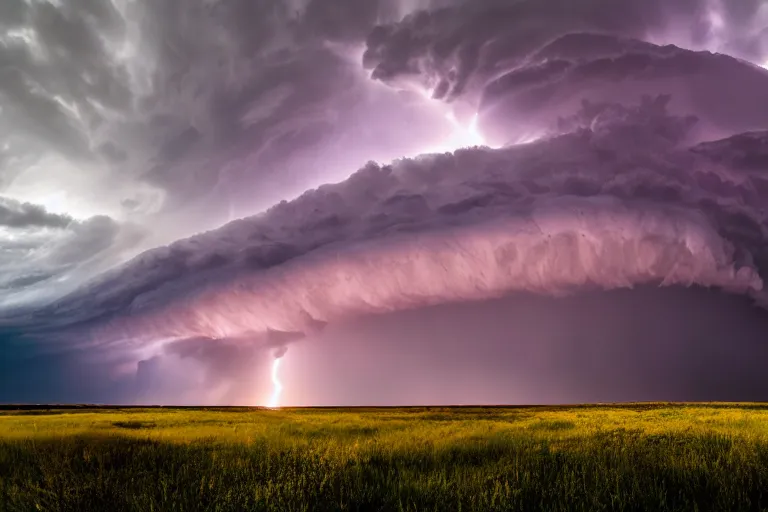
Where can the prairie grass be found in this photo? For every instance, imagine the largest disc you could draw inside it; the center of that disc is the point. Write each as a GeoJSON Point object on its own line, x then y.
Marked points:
{"type": "Point", "coordinates": [663, 457]}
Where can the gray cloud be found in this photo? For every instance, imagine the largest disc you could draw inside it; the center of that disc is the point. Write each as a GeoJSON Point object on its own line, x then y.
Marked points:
{"type": "Point", "coordinates": [44, 255]}
{"type": "Point", "coordinates": [21, 215]}
{"type": "Point", "coordinates": [459, 48]}
{"type": "Point", "coordinates": [55, 64]}
{"type": "Point", "coordinates": [184, 115]}
{"type": "Point", "coordinates": [179, 115]}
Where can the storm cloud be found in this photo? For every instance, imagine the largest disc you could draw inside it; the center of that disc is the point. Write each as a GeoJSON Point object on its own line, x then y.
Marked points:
{"type": "Point", "coordinates": [176, 175]}
{"type": "Point", "coordinates": [14, 214]}
{"type": "Point", "coordinates": [182, 116]}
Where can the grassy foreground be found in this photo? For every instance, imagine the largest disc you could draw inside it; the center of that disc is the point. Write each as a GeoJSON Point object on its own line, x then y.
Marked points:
{"type": "Point", "coordinates": [633, 457]}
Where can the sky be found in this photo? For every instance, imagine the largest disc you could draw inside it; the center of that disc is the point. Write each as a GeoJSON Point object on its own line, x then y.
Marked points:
{"type": "Point", "coordinates": [402, 201]}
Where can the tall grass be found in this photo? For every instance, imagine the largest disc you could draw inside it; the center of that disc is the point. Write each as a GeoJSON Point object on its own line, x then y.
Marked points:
{"type": "Point", "coordinates": [642, 457]}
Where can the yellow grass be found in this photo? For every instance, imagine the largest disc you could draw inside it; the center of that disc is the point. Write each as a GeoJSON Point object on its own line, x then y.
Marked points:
{"type": "Point", "coordinates": [631, 457]}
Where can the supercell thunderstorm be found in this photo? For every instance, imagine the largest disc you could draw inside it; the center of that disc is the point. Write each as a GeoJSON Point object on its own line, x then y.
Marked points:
{"type": "Point", "coordinates": [612, 153]}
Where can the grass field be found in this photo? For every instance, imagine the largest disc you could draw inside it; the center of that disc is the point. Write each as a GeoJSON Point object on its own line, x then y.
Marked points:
{"type": "Point", "coordinates": [631, 457]}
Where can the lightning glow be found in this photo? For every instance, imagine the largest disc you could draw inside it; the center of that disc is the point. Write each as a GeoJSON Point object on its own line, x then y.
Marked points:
{"type": "Point", "coordinates": [461, 136]}
{"type": "Point", "coordinates": [277, 386]}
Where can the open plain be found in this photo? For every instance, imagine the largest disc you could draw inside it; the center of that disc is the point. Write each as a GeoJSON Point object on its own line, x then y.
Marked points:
{"type": "Point", "coordinates": [649, 456]}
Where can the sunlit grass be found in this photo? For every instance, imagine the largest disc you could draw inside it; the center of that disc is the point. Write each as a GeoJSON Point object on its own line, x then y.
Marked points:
{"type": "Point", "coordinates": [635, 457]}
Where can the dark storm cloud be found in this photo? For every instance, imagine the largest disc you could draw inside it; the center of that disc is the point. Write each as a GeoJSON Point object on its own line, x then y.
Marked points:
{"type": "Point", "coordinates": [241, 86]}
{"type": "Point", "coordinates": [22, 215]}
{"type": "Point", "coordinates": [222, 108]}
{"type": "Point", "coordinates": [536, 80]}
{"type": "Point", "coordinates": [84, 75]}
{"type": "Point", "coordinates": [553, 84]}
{"type": "Point", "coordinates": [461, 47]}
{"type": "Point", "coordinates": [208, 100]}
{"type": "Point", "coordinates": [226, 107]}
{"type": "Point", "coordinates": [29, 374]}
{"type": "Point", "coordinates": [618, 204]}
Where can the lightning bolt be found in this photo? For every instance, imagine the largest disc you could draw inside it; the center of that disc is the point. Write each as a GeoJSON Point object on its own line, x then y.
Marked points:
{"type": "Point", "coordinates": [277, 386]}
